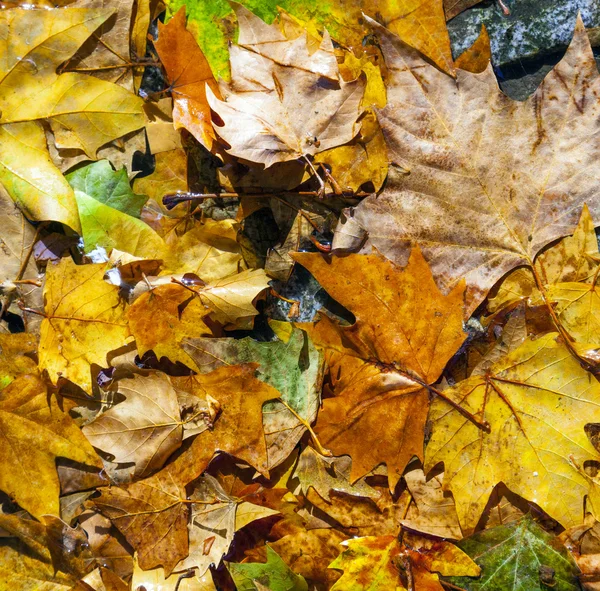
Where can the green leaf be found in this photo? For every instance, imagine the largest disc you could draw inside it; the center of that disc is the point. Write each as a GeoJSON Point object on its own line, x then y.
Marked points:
{"type": "Point", "coordinates": [273, 574]}
{"type": "Point", "coordinates": [102, 225]}
{"type": "Point", "coordinates": [517, 557]}
{"type": "Point", "coordinates": [111, 187]}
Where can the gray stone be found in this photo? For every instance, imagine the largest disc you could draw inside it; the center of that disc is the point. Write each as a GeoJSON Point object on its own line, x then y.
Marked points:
{"type": "Point", "coordinates": [534, 27]}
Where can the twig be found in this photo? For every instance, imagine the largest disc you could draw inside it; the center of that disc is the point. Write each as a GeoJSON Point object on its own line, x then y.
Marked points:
{"type": "Point", "coordinates": [172, 199]}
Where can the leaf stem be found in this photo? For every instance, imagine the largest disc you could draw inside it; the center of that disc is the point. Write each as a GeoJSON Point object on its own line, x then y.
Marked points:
{"type": "Point", "coordinates": [322, 450]}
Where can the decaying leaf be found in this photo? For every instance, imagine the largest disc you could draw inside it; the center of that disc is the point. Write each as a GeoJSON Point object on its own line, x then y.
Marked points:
{"type": "Point", "coordinates": [188, 73]}
{"type": "Point", "coordinates": [152, 514]}
{"type": "Point", "coordinates": [92, 111]}
{"type": "Point", "coordinates": [294, 368]}
{"type": "Point", "coordinates": [519, 556]}
{"type": "Point", "coordinates": [381, 366]}
{"type": "Point", "coordinates": [384, 563]}
{"type": "Point", "coordinates": [483, 187]}
{"type": "Point", "coordinates": [274, 575]}
{"type": "Point", "coordinates": [146, 428]}
{"type": "Point", "coordinates": [327, 474]}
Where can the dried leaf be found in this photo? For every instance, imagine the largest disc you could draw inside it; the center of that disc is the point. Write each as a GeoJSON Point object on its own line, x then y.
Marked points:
{"type": "Point", "coordinates": [524, 194]}
{"type": "Point", "coordinates": [84, 321]}
{"type": "Point", "coordinates": [535, 390]}
{"type": "Point", "coordinates": [36, 431]}
{"type": "Point", "coordinates": [381, 365]}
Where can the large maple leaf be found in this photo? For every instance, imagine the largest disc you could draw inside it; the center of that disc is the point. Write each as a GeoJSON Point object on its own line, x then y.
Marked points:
{"type": "Point", "coordinates": [381, 366]}
{"type": "Point", "coordinates": [537, 400]}
{"type": "Point", "coordinates": [91, 111]}
{"type": "Point", "coordinates": [481, 182]}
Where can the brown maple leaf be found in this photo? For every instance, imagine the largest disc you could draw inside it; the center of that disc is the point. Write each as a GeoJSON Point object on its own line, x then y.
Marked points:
{"type": "Point", "coordinates": [481, 182]}
{"type": "Point", "coordinates": [382, 365]}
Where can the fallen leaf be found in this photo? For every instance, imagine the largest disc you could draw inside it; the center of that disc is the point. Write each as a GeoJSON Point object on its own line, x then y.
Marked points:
{"type": "Point", "coordinates": [188, 73]}
{"type": "Point", "coordinates": [573, 259]}
{"type": "Point", "coordinates": [16, 260]}
{"type": "Point", "coordinates": [162, 318]}
{"type": "Point", "coordinates": [152, 514]}
{"type": "Point", "coordinates": [36, 431]}
{"type": "Point", "coordinates": [382, 365]}
{"type": "Point", "coordinates": [269, 112]}
{"type": "Point", "coordinates": [520, 555]}
{"type": "Point", "coordinates": [144, 580]}
{"type": "Point", "coordinates": [420, 24]}
{"type": "Point", "coordinates": [307, 553]}
{"type": "Point", "coordinates": [535, 390]}
{"type": "Point", "coordinates": [17, 354]}
{"type": "Point", "coordinates": [294, 368]}
{"type": "Point", "coordinates": [106, 52]}
{"type": "Point", "coordinates": [476, 58]}
{"type": "Point", "coordinates": [92, 110]}
{"type": "Point", "coordinates": [108, 186]}
{"type": "Point", "coordinates": [85, 319]}
{"type": "Point", "coordinates": [525, 195]}
{"type": "Point", "coordinates": [377, 563]}
{"type": "Point", "coordinates": [237, 431]}
{"type": "Point", "coordinates": [109, 228]}
{"type": "Point", "coordinates": [328, 474]}
{"type": "Point", "coordinates": [146, 428]}
{"type": "Point", "coordinates": [169, 176]}
{"type": "Point", "coordinates": [433, 512]}
{"type": "Point", "coordinates": [275, 575]}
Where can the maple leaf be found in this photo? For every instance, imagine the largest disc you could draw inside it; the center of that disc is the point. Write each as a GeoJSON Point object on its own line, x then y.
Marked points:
{"type": "Point", "coordinates": [152, 514]}
{"type": "Point", "coordinates": [162, 318]}
{"type": "Point", "coordinates": [36, 431]}
{"type": "Point", "coordinates": [188, 73]}
{"type": "Point", "coordinates": [93, 111]}
{"type": "Point", "coordinates": [111, 187]}
{"type": "Point", "coordinates": [169, 176]}
{"type": "Point", "coordinates": [573, 259]}
{"type": "Point", "coordinates": [274, 575]}
{"type": "Point", "coordinates": [17, 353]}
{"type": "Point", "coordinates": [29, 557]}
{"type": "Point", "coordinates": [294, 368]}
{"type": "Point", "coordinates": [16, 263]}
{"type": "Point", "coordinates": [308, 553]}
{"type": "Point", "coordinates": [516, 163]}
{"type": "Point", "coordinates": [145, 428]}
{"type": "Point", "coordinates": [519, 556]}
{"type": "Point", "coordinates": [382, 365]}
{"type": "Point", "coordinates": [155, 579]}
{"type": "Point", "coordinates": [536, 389]}
{"type": "Point", "coordinates": [375, 562]}
{"type": "Point", "coordinates": [84, 321]}
{"type": "Point", "coordinates": [270, 111]}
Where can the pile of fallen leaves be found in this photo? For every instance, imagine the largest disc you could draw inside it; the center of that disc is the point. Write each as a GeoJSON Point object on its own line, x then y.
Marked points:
{"type": "Point", "coordinates": [162, 427]}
